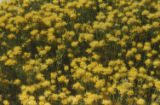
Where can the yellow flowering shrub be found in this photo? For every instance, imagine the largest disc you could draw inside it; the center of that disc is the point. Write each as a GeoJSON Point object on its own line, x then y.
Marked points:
{"type": "Point", "coordinates": [79, 52]}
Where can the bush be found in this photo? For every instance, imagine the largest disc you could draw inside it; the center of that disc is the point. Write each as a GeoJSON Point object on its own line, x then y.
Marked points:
{"type": "Point", "coordinates": [79, 52]}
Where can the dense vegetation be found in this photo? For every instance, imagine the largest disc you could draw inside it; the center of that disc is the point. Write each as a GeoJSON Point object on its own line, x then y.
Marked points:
{"type": "Point", "coordinates": [80, 52]}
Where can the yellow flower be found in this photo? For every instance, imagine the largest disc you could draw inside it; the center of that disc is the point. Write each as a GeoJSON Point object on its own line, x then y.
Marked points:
{"type": "Point", "coordinates": [47, 93]}
{"type": "Point", "coordinates": [85, 37]}
{"type": "Point", "coordinates": [142, 70]}
{"type": "Point", "coordinates": [138, 57]}
{"type": "Point", "coordinates": [41, 98]}
{"type": "Point", "coordinates": [17, 82]}
{"type": "Point", "coordinates": [108, 71]}
{"type": "Point", "coordinates": [155, 103]}
{"type": "Point", "coordinates": [94, 44]}
{"type": "Point", "coordinates": [77, 86]}
{"type": "Point", "coordinates": [43, 52]}
{"type": "Point", "coordinates": [132, 74]}
{"type": "Point", "coordinates": [66, 67]}
{"type": "Point", "coordinates": [139, 45]}
{"type": "Point", "coordinates": [157, 85]}
{"type": "Point", "coordinates": [130, 63]}
{"type": "Point", "coordinates": [49, 61]}
{"type": "Point", "coordinates": [9, 26]}
{"type": "Point", "coordinates": [40, 76]}
{"type": "Point", "coordinates": [47, 48]}
{"type": "Point", "coordinates": [155, 24]}
{"type": "Point", "coordinates": [11, 36]}
{"type": "Point", "coordinates": [124, 19]}
{"type": "Point", "coordinates": [4, 43]}
{"type": "Point", "coordinates": [99, 84]}
{"type": "Point", "coordinates": [45, 83]}
{"type": "Point", "coordinates": [140, 101]}
{"type": "Point", "coordinates": [54, 97]}
{"type": "Point", "coordinates": [125, 28]}
{"type": "Point", "coordinates": [149, 55]}
{"type": "Point", "coordinates": [147, 46]}
{"type": "Point", "coordinates": [27, 67]}
{"type": "Point", "coordinates": [146, 27]}
{"type": "Point", "coordinates": [144, 86]}
{"type": "Point", "coordinates": [74, 44]}
{"type": "Point", "coordinates": [70, 55]}
{"type": "Point", "coordinates": [77, 26]}
{"type": "Point", "coordinates": [156, 63]}
{"type": "Point", "coordinates": [5, 102]}
{"type": "Point", "coordinates": [150, 84]}
{"type": "Point", "coordinates": [10, 54]}
{"type": "Point", "coordinates": [100, 16]}
{"type": "Point", "coordinates": [43, 32]}
{"type": "Point", "coordinates": [47, 103]}
{"type": "Point", "coordinates": [44, 67]}
{"type": "Point", "coordinates": [64, 101]}
{"type": "Point", "coordinates": [95, 56]}
{"type": "Point", "coordinates": [145, 12]}
{"type": "Point", "coordinates": [118, 33]}
{"type": "Point", "coordinates": [17, 50]}
{"type": "Point", "coordinates": [34, 32]}
{"type": "Point", "coordinates": [91, 98]}
{"type": "Point", "coordinates": [26, 55]}
{"type": "Point", "coordinates": [19, 20]}
{"type": "Point", "coordinates": [3, 58]}
{"type": "Point", "coordinates": [154, 52]}
{"type": "Point", "coordinates": [152, 73]}
{"type": "Point", "coordinates": [31, 102]}
{"type": "Point", "coordinates": [107, 102]}
{"type": "Point", "coordinates": [134, 44]}
{"type": "Point", "coordinates": [111, 90]}
{"type": "Point", "coordinates": [130, 93]}
{"type": "Point", "coordinates": [61, 47]}
{"type": "Point", "coordinates": [62, 79]}
{"type": "Point", "coordinates": [62, 95]}
{"type": "Point", "coordinates": [51, 37]}
{"type": "Point", "coordinates": [153, 96]}
{"type": "Point", "coordinates": [148, 62]}
{"type": "Point", "coordinates": [53, 75]}
{"type": "Point", "coordinates": [10, 62]}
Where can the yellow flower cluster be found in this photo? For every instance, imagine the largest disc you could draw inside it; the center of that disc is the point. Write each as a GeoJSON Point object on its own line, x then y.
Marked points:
{"type": "Point", "coordinates": [80, 52]}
